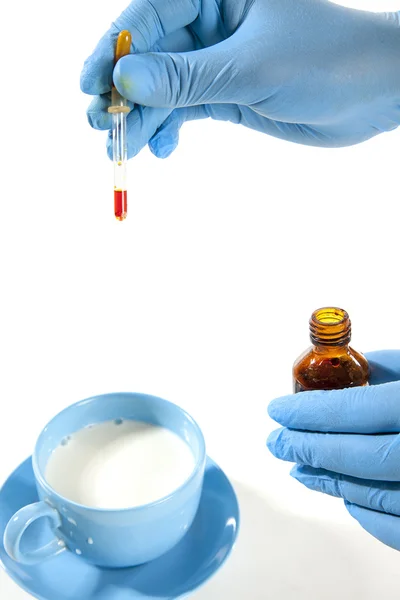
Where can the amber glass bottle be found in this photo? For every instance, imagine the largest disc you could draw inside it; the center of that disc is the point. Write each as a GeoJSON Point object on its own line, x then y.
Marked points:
{"type": "Point", "coordinates": [330, 363]}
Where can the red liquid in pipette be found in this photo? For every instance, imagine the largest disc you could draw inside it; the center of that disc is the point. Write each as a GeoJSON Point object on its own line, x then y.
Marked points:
{"type": "Point", "coordinates": [120, 204]}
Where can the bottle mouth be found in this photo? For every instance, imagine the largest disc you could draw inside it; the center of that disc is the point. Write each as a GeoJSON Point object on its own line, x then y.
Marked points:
{"type": "Point", "coordinates": [330, 326]}
{"type": "Point", "coordinates": [329, 316]}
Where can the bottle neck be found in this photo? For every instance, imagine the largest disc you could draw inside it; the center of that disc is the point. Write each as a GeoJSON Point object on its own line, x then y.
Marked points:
{"type": "Point", "coordinates": [330, 327]}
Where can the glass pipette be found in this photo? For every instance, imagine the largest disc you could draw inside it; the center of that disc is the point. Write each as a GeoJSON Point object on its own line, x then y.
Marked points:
{"type": "Point", "coordinates": [119, 109]}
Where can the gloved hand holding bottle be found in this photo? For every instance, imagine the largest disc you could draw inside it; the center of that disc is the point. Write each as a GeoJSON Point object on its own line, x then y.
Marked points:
{"type": "Point", "coordinates": [346, 443]}
{"type": "Point", "coordinates": [307, 71]}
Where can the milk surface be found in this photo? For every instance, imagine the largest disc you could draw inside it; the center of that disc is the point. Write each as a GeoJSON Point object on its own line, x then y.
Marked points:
{"type": "Point", "coordinates": [119, 464]}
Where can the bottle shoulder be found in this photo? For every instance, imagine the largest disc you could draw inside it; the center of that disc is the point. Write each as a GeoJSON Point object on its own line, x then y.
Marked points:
{"type": "Point", "coordinates": [358, 356]}
{"type": "Point", "coordinates": [304, 357]}
{"type": "Point", "coordinates": [317, 355]}
{"type": "Point", "coordinates": [331, 368]}
{"type": "Point", "coordinates": [359, 360]}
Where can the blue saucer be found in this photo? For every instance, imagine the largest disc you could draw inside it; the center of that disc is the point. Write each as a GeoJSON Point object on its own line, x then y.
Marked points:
{"type": "Point", "coordinates": [183, 569]}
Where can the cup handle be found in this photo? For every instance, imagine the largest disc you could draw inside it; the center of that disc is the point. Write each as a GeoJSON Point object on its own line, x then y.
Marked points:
{"type": "Point", "coordinates": [20, 522]}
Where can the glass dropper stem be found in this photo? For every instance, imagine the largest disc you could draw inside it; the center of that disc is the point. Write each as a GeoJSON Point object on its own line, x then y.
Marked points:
{"type": "Point", "coordinates": [119, 109]}
{"type": "Point", "coordinates": [120, 157]}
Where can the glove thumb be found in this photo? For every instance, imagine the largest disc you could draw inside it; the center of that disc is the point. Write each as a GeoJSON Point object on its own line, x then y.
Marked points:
{"type": "Point", "coordinates": [172, 80]}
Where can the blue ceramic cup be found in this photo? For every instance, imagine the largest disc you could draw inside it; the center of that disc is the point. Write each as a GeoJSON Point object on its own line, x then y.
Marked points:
{"type": "Point", "coordinates": [109, 538]}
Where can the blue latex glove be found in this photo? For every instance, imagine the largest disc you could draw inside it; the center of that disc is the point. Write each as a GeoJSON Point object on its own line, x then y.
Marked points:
{"type": "Point", "coordinates": [307, 71]}
{"type": "Point", "coordinates": [349, 462]}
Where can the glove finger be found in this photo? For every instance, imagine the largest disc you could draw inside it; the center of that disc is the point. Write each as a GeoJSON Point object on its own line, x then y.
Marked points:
{"type": "Point", "coordinates": [384, 366]}
{"type": "Point", "coordinates": [179, 79]}
{"type": "Point", "coordinates": [97, 113]}
{"type": "Point", "coordinates": [141, 124]}
{"type": "Point", "coordinates": [181, 40]}
{"type": "Point", "coordinates": [148, 21]}
{"type": "Point", "coordinates": [370, 409]}
{"type": "Point", "coordinates": [383, 496]}
{"type": "Point", "coordinates": [364, 456]}
{"type": "Point", "coordinates": [166, 138]}
{"type": "Point", "coordinates": [386, 528]}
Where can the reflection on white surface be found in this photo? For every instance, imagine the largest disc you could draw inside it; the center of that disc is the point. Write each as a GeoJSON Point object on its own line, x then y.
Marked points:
{"type": "Point", "coordinates": [283, 556]}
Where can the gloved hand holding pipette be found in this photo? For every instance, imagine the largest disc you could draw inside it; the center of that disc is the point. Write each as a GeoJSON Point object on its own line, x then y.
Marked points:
{"type": "Point", "coordinates": [307, 71]}
{"type": "Point", "coordinates": [346, 443]}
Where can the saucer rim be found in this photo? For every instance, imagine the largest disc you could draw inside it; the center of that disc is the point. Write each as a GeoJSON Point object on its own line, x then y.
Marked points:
{"type": "Point", "coordinates": [209, 462]}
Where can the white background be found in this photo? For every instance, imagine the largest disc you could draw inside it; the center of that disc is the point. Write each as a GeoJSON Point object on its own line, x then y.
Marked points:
{"type": "Point", "coordinates": [202, 296]}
